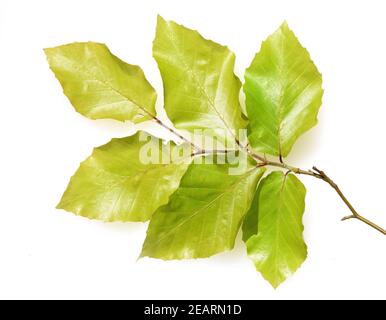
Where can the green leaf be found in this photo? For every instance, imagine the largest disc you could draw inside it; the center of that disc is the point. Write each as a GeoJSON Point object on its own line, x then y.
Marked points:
{"type": "Point", "coordinates": [114, 184]}
{"type": "Point", "coordinates": [201, 90]}
{"type": "Point", "coordinates": [273, 228]}
{"type": "Point", "coordinates": [204, 215]}
{"type": "Point", "coordinates": [283, 92]}
{"type": "Point", "coordinates": [100, 85]}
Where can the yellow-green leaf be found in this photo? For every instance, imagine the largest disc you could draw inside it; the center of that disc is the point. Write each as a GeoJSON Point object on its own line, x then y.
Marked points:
{"type": "Point", "coordinates": [283, 92]}
{"type": "Point", "coordinates": [100, 85]}
{"type": "Point", "coordinates": [114, 184]}
{"type": "Point", "coordinates": [201, 90]}
{"type": "Point", "coordinates": [273, 228]}
{"type": "Point", "coordinates": [204, 215]}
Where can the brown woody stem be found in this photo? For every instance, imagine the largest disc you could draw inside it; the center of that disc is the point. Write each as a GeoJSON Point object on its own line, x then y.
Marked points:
{"type": "Point", "coordinates": [355, 214]}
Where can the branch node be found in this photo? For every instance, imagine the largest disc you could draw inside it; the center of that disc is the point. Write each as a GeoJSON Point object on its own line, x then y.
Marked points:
{"type": "Point", "coordinates": [261, 164]}
{"type": "Point", "coordinates": [318, 171]}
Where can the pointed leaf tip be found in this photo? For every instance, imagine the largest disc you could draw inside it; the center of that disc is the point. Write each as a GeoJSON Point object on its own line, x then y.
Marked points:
{"type": "Point", "coordinates": [284, 25]}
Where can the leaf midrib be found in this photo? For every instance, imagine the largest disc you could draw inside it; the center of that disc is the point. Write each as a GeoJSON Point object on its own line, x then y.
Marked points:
{"type": "Point", "coordinates": [195, 213]}
{"type": "Point", "coordinates": [198, 83]}
{"type": "Point", "coordinates": [108, 85]}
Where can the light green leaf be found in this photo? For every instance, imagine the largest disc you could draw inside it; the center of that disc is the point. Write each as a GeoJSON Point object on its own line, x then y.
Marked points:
{"type": "Point", "coordinates": [204, 215]}
{"type": "Point", "coordinates": [273, 228]}
{"type": "Point", "coordinates": [201, 90]}
{"type": "Point", "coordinates": [100, 85]}
{"type": "Point", "coordinates": [114, 183]}
{"type": "Point", "coordinates": [283, 92]}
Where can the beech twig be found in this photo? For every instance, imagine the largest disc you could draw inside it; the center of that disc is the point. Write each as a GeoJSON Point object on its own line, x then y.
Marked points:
{"type": "Point", "coordinates": [261, 161]}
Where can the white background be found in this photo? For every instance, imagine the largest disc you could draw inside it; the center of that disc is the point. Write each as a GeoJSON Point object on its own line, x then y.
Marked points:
{"type": "Point", "coordinates": [47, 253]}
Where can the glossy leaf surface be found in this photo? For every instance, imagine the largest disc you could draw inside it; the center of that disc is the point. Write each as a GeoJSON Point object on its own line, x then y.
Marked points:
{"type": "Point", "coordinates": [114, 185]}
{"type": "Point", "coordinates": [273, 228]}
{"type": "Point", "coordinates": [283, 92]}
{"type": "Point", "coordinates": [201, 90]}
{"type": "Point", "coordinates": [100, 85]}
{"type": "Point", "coordinates": [203, 216]}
